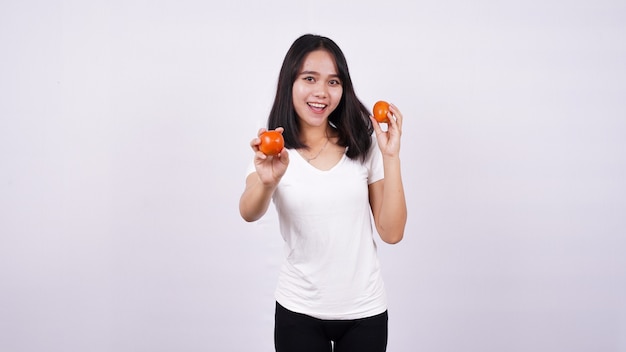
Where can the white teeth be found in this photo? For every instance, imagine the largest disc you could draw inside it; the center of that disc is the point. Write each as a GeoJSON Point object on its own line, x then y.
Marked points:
{"type": "Point", "coordinates": [315, 105]}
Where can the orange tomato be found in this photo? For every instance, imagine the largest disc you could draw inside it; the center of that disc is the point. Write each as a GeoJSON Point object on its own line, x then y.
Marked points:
{"type": "Point", "coordinates": [272, 142]}
{"type": "Point", "coordinates": [381, 109]}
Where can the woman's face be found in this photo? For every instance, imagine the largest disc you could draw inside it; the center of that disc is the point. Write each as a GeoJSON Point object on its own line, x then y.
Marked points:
{"type": "Point", "coordinates": [317, 89]}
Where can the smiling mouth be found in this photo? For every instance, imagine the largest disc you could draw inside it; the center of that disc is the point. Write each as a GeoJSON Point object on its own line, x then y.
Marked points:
{"type": "Point", "coordinates": [317, 106]}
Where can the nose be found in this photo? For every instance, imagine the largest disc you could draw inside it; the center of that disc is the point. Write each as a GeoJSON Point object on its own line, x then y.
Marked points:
{"type": "Point", "coordinates": [321, 90]}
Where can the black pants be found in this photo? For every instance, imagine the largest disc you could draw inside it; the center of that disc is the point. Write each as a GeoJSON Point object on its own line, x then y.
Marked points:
{"type": "Point", "coordinates": [295, 332]}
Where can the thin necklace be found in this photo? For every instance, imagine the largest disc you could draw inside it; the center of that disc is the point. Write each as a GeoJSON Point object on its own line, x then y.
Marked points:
{"type": "Point", "coordinates": [318, 153]}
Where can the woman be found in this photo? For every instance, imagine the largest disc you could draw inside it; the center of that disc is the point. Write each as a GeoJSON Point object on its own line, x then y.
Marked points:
{"type": "Point", "coordinates": [337, 171]}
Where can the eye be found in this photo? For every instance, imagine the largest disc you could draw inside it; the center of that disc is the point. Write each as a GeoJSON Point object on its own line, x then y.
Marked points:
{"type": "Point", "coordinates": [334, 82]}
{"type": "Point", "coordinates": [309, 78]}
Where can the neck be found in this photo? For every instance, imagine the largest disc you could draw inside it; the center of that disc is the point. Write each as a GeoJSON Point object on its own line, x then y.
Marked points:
{"type": "Point", "coordinates": [312, 136]}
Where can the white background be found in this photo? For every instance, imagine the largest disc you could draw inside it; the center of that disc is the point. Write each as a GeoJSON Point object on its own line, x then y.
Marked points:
{"type": "Point", "coordinates": [124, 131]}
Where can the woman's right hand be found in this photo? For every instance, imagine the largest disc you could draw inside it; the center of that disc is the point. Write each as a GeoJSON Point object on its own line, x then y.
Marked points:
{"type": "Point", "coordinates": [269, 168]}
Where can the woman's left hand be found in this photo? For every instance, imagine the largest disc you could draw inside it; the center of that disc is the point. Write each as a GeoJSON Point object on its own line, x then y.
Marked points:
{"type": "Point", "coordinates": [389, 141]}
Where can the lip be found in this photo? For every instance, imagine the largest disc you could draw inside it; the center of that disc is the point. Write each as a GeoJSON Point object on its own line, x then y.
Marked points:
{"type": "Point", "coordinates": [317, 107]}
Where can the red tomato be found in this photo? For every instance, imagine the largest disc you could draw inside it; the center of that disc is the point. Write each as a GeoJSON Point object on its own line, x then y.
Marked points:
{"type": "Point", "coordinates": [381, 109]}
{"type": "Point", "coordinates": [272, 142]}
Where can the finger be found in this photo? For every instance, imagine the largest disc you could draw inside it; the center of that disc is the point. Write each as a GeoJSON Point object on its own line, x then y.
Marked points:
{"type": "Point", "coordinates": [394, 128]}
{"type": "Point", "coordinates": [394, 122]}
{"type": "Point", "coordinates": [254, 143]}
{"type": "Point", "coordinates": [397, 114]}
{"type": "Point", "coordinates": [376, 125]}
{"type": "Point", "coordinates": [261, 130]}
{"type": "Point", "coordinates": [280, 129]}
{"type": "Point", "coordinates": [392, 119]}
{"type": "Point", "coordinates": [259, 155]}
{"type": "Point", "coordinates": [283, 156]}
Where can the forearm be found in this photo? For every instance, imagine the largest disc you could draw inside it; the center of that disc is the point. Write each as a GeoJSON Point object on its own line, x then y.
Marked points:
{"type": "Point", "coordinates": [255, 199]}
{"type": "Point", "coordinates": [393, 212]}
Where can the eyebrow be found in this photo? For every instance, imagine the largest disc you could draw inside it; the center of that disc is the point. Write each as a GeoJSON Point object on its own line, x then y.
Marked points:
{"type": "Point", "coordinates": [335, 75]}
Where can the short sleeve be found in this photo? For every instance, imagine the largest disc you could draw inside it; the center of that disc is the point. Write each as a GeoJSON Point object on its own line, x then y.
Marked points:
{"type": "Point", "coordinates": [374, 163]}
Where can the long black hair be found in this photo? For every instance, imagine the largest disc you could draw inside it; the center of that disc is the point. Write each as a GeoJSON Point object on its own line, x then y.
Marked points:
{"type": "Point", "coordinates": [350, 118]}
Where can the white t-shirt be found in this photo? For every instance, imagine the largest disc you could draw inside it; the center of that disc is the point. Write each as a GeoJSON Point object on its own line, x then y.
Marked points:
{"type": "Point", "coordinates": [331, 268]}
